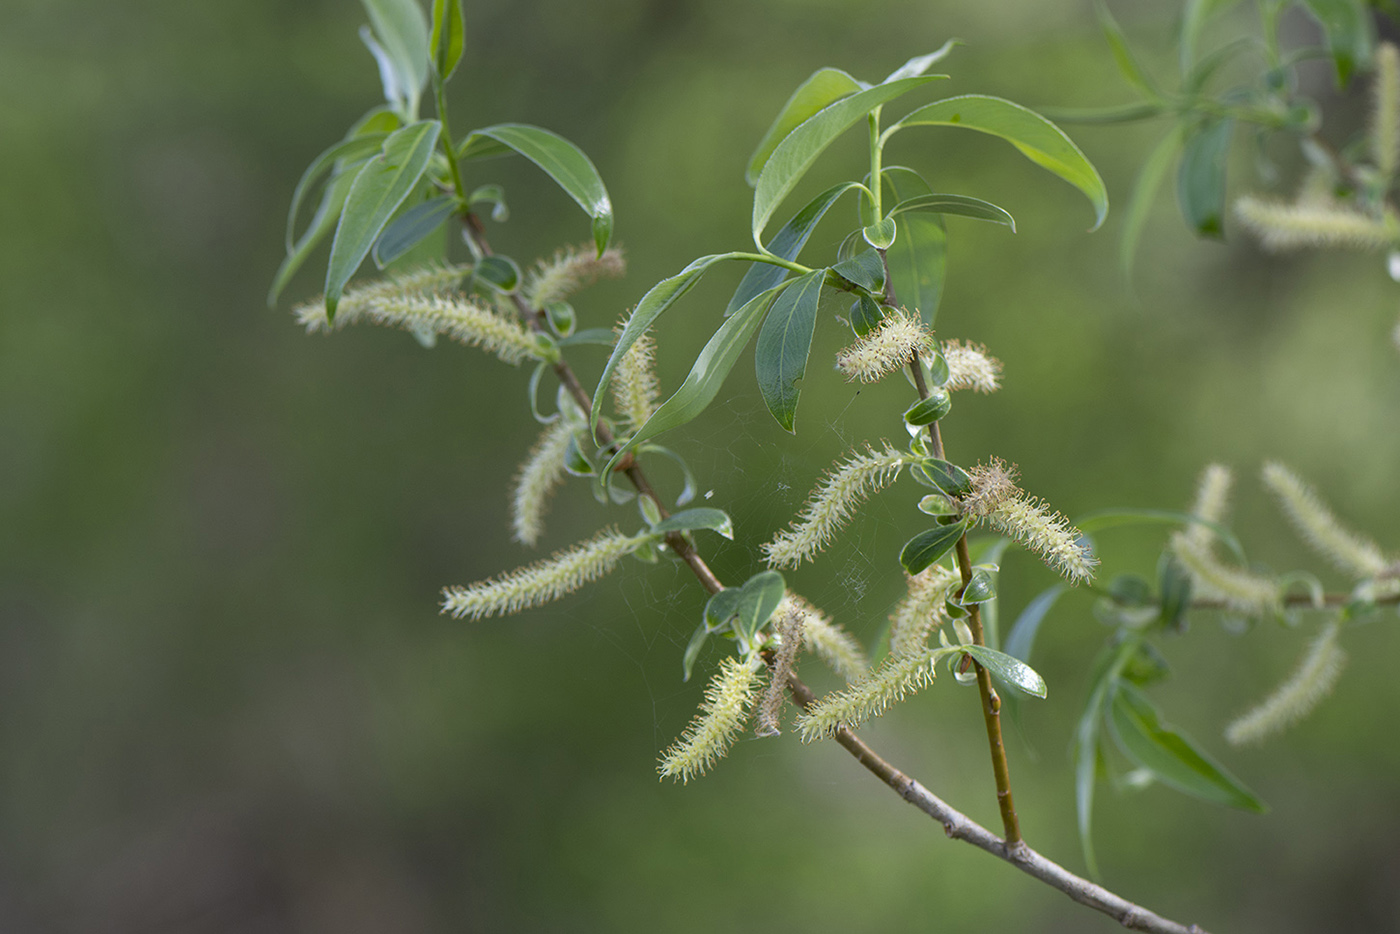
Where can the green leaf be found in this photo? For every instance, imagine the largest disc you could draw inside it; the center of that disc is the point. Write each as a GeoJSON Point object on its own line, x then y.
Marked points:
{"type": "Point", "coordinates": [927, 411]}
{"type": "Point", "coordinates": [963, 206]}
{"type": "Point", "coordinates": [1122, 54]}
{"type": "Point", "coordinates": [979, 589]}
{"type": "Point", "coordinates": [495, 196]}
{"type": "Point", "coordinates": [410, 227]}
{"type": "Point", "coordinates": [603, 337]}
{"type": "Point", "coordinates": [688, 489]}
{"type": "Point", "coordinates": [865, 270]}
{"type": "Point", "coordinates": [1021, 640]}
{"type": "Point", "coordinates": [693, 647]}
{"type": "Point", "coordinates": [401, 50]}
{"type": "Point", "coordinates": [1149, 179]}
{"type": "Point", "coordinates": [1008, 670]}
{"type": "Point", "coordinates": [1175, 584]}
{"type": "Point", "coordinates": [921, 63]}
{"type": "Point", "coordinates": [448, 37]}
{"type": "Point", "coordinates": [499, 272]}
{"type": "Point", "coordinates": [786, 243]}
{"type": "Point", "coordinates": [1171, 756]}
{"type": "Point", "coordinates": [564, 162]}
{"type": "Point", "coordinates": [780, 356]}
{"type": "Point", "coordinates": [880, 234]}
{"type": "Point", "coordinates": [793, 156]}
{"type": "Point", "coordinates": [1035, 137]}
{"type": "Point", "coordinates": [1117, 113]}
{"type": "Point", "coordinates": [322, 223]}
{"type": "Point", "coordinates": [378, 190]}
{"type": "Point", "coordinates": [950, 478]}
{"type": "Point", "coordinates": [1103, 673]}
{"type": "Point", "coordinates": [928, 546]}
{"type": "Point", "coordinates": [352, 150]}
{"type": "Point", "coordinates": [918, 263]}
{"type": "Point", "coordinates": [1200, 185]}
{"type": "Point", "coordinates": [824, 86]}
{"type": "Point", "coordinates": [706, 375]}
{"type": "Point", "coordinates": [658, 299]}
{"type": "Point", "coordinates": [936, 504]}
{"type": "Point", "coordinates": [1350, 33]}
{"type": "Point", "coordinates": [866, 314]}
{"type": "Point", "coordinates": [703, 518]}
{"type": "Point", "coordinates": [1193, 22]}
{"type": "Point", "coordinates": [758, 598]}
{"type": "Point", "coordinates": [721, 608]}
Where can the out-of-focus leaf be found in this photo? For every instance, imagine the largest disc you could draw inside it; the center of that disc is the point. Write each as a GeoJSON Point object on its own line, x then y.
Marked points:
{"type": "Point", "coordinates": [1171, 756]}
{"type": "Point", "coordinates": [825, 86]}
{"type": "Point", "coordinates": [716, 520]}
{"type": "Point", "coordinates": [401, 50]}
{"type": "Point", "coordinates": [799, 149]}
{"type": "Point", "coordinates": [1193, 22]}
{"type": "Point", "coordinates": [499, 272]}
{"type": "Point", "coordinates": [379, 188]}
{"type": "Point", "coordinates": [918, 259]}
{"type": "Point", "coordinates": [1176, 587]}
{"type": "Point", "coordinates": [493, 195]}
{"type": "Point", "coordinates": [921, 63]}
{"type": "Point", "coordinates": [960, 205]}
{"type": "Point", "coordinates": [1009, 670]}
{"type": "Point", "coordinates": [780, 356]}
{"type": "Point", "coordinates": [1117, 113]}
{"type": "Point", "coordinates": [1103, 674]}
{"type": "Point", "coordinates": [1021, 641]}
{"type": "Point", "coordinates": [687, 476]}
{"type": "Point", "coordinates": [1123, 54]}
{"type": "Point", "coordinates": [1350, 33]}
{"type": "Point", "coordinates": [721, 607]}
{"type": "Point", "coordinates": [562, 161]}
{"type": "Point", "coordinates": [1200, 183]}
{"type": "Point", "coordinates": [410, 227]}
{"type": "Point", "coordinates": [1149, 180]}
{"type": "Point", "coordinates": [693, 647]}
{"type": "Point", "coordinates": [1033, 136]}
{"type": "Point", "coordinates": [1109, 518]}
{"type": "Point", "coordinates": [321, 224]}
{"type": "Point", "coordinates": [448, 36]}
{"type": "Point", "coordinates": [658, 299]}
{"type": "Point", "coordinates": [787, 243]}
{"type": "Point", "coordinates": [928, 546]}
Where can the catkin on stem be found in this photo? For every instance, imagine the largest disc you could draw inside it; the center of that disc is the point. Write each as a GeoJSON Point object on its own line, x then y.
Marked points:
{"type": "Point", "coordinates": [996, 501]}
{"type": "Point", "coordinates": [1316, 675]}
{"type": "Point", "coordinates": [722, 715]}
{"type": "Point", "coordinates": [922, 608]}
{"type": "Point", "coordinates": [885, 349]}
{"type": "Point", "coordinates": [570, 269]}
{"type": "Point", "coordinates": [1385, 113]}
{"type": "Point", "coordinates": [971, 367]}
{"type": "Point", "coordinates": [770, 706]}
{"type": "Point", "coordinates": [1240, 590]}
{"type": "Point", "coordinates": [1282, 226]}
{"type": "Point", "coordinates": [539, 475]}
{"type": "Point", "coordinates": [896, 678]}
{"type": "Point", "coordinates": [1351, 553]}
{"type": "Point", "coordinates": [827, 640]}
{"type": "Point", "coordinates": [634, 385]}
{"type": "Point", "coordinates": [1212, 503]}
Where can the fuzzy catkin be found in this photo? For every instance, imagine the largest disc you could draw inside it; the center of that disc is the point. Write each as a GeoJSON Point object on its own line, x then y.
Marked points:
{"type": "Point", "coordinates": [971, 367]}
{"type": "Point", "coordinates": [541, 472]}
{"type": "Point", "coordinates": [1350, 553]}
{"type": "Point", "coordinates": [1282, 226]}
{"type": "Point", "coordinates": [921, 610]}
{"type": "Point", "coordinates": [544, 581]}
{"type": "Point", "coordinates": [1212, 502]}
{"type": "Point", "coordinates": [1240, 590]}
{"type": "Point", "coordinates": [634, 385]}
{"type": "Point", "coordinates": [887, 348]}
{"type": "Point", "coordinates": [831, 505]}
{"type": "Point", "coordinates": [1314, 678]}
{"type": "Point", "coordinates": [827, 640]}
{"type": "Point", "coordinates": [1385, 113]}
{"type": "Point", "coordinates": [570, 269]}
{"type": "Point", "coordinates": [770, 706]}
{"type": "Point", "coordinates": [722, 715]}
{"type": "Point", "coordinates": [896, 678]}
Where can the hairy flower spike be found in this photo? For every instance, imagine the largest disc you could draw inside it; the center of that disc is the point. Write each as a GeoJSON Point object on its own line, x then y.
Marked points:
{"type": "Point", "coordinates": [885, 349]}
{"type": "Point", "coordinates": [722, 715]}
{"type": "Point", "coordinates": [770, 707]}
{"type": "Point", "coordinates": [1243, 591]}
{"type": "Point", "coordinates": [1350, 553]}
{"type": "Point", "coordinates": [922, 609]}
{"type": "Point", "coordinates": [569, 270]}
{"type": "Point", "coordinates": [1385, 118]}
{"type": "Point", "coordinates": [996, 501]}
{"type": "Point", "coordinates": [971, 367]}
{"type": "Point", "coordinates": [993, 483]}
{"type": "Point", "coordinates": [1287, 226]}
{"type": "Point", "coordinates": [422, 303]}
{"type": "Point", "coordinates": [539, 475]}
{"type": "Point", "coordinates": [1212, 502]}
{"type": "Point", "coordinates": [634, 385]}
{"type": "Point", "coordinates": [544, 581]}
{"type": "Point", "coordinates": [831, 504]}
{"type": "Point", "coordinates": [827, 640]}
{"type": "Point", "coordinates": [1294, 699]}
{"type": "Point", "coordinates": [896, 678]}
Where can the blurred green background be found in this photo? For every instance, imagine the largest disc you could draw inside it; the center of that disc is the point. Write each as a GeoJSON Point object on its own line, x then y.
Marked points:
{"type": "Point", "coordinates": [227, 701]}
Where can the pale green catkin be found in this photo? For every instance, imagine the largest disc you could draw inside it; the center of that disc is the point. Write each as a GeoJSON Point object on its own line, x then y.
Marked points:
{"type": "Point", "coordinates": [971, 367]}
{"type": "Point", "coordinates": [1212, 503]}
{"type": "Point", "coordinates": [721, 717]}
{"type": "Point", "coordinates": [539, 475]}
{"type": "Point", "coordinates": [827, 640]}
{"type": "Point", "coordinates": [885, 349]}
{"type": "Point", "coordinates": [896, 678]}
{"type": "Point", "coordinates": [1242, 591]}
{"type": "Point", "coordinates": [1385, 113]}
{"type": "Point", "coordinates": [831, 505]}
{"type": "Point", "coordinates": [1316, 675]}
{"type": "Point", "coordinates": [770, 706]}
{"type": "Point", "coordinates": [544, 581]}
{"type": "Point", "coordinates": [570, 269]}
{"type": "Point", "coordinates": [996, 501]}
{"type": "Point", "coordinates": [922, 608]}
{"type": "Point", "coordinates": [634, 385]}
{"type": "Point", "coordinates": [1351, 553]}
{"type": "Point", "coordinates": [1282, 226]}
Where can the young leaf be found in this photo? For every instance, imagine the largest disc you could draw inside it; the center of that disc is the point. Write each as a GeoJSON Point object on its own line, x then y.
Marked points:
{"type": "Point", "coordinates": [921, 63]}
{"type": "Point", "coordinates": [786, 243]}
{"type": "Point", "coordinates": [721, 607]}
{"type": "Point", "coordinates": [1170, 756]}
{"type": "Point", "coordinates": [352, 150]}
{"type": "Point", "coordinates": [1021, 640]}
{"type": "Point", "coordinates": [1193, 21]}
{"type": "Point", "coordinates": [1201, 179]}
{"type": "Point", "coordinates": [410, 227]}
{"type": "Point", "coordinates": [1008, 670]}
{"type": "Point", "coordinates": [881, 233]}
{"type": "Point", "coordinates": [562, 161]}
{"type": "Point", "coordinates": [322, 223]}
{"type": "Point", "coordinates": [980, 589]}
{"type": "Point", "coordinates": [402, 50]}
{"type": "Point", "coordinates": [447, 37]}
{"type": "Point", "coordinates": [658, 299]}
{"type": "Point", "coordinates": [378, 190]}
{"type": "Point", "coordinates": [927, 547]}
{"type": "Point", "coordinates": [498, 272]}
{"type": "Point", "coordinates": [823, 87]}
{"type": "Point", "coordinates": [758, 598]}
{"type": "Point", "coordinates": [950, 478]}
{"type": "Point", "coordinates": [1350, 33]}
{"type": "Point", "coordinates": [961, 205]}
{"type": "Point", "coordinates": [702, 518]}
{"type": "Point", "coordinates": [693, 647]}
{"type": "Point", "coordinates": [927, 411]}
{"type": "Point", "coordinates": [796, 153]}
{"type": "Point", "coordinates": [1035, 137]}
{"type": "Point", "coordinates": [1149, 179]}
{"type": "Point", "coordinates": [780, 357]}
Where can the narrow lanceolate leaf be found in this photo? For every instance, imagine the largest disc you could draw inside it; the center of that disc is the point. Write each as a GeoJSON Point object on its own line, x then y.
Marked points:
{"type": "Point", "coordinates": [410, 228]}
{"type": "Point", "coordinates": [658, 299]}
{"type": "Point", "coordinates": [448, 36]}
{"type": "Point", "coordinates": [321, 224]}
{"type": "Point", "coordinates": [961, 205]}
{"type": "Point", "coordinates": [823, 87]}
{"type": "Point", "coordinates": [780, 357]}
{"type": "Point", "coordinates": [1021, 641]}
{"type": "Point", "coordinates": [701, 518]}
{"type": "Point", "coordinates": [786, 243]}
{"type": "Point", "coordinates": [796, 153]}
{"type": "Point", "coordinates": [1172, 757]}
{"type": "Point", "coordinates": [1145, 188]}
{"type": "Point", "coordinates": [564, 162]}
{"type": "Point", "coordinates": [1008, 669]}
{"type": "Point", "coordinates": [379, 188]}
{"type": "Point", "coordinates": [1350, 33]}
{"type": "Point", "coordinates": [402, 35]}
{"type": "Point", "coordinates": [706, 375]}
{"type": "Point", "coordinates": [921, 63]}
{"type": "Point", "coordinates": [1193, 23]}
{"type": "Point", "coordinates": [1035, 137]}
{"type": "Point", "coordinates": [1123, 54]}
{"type": "Point", "coordinates": [1200, 185]}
